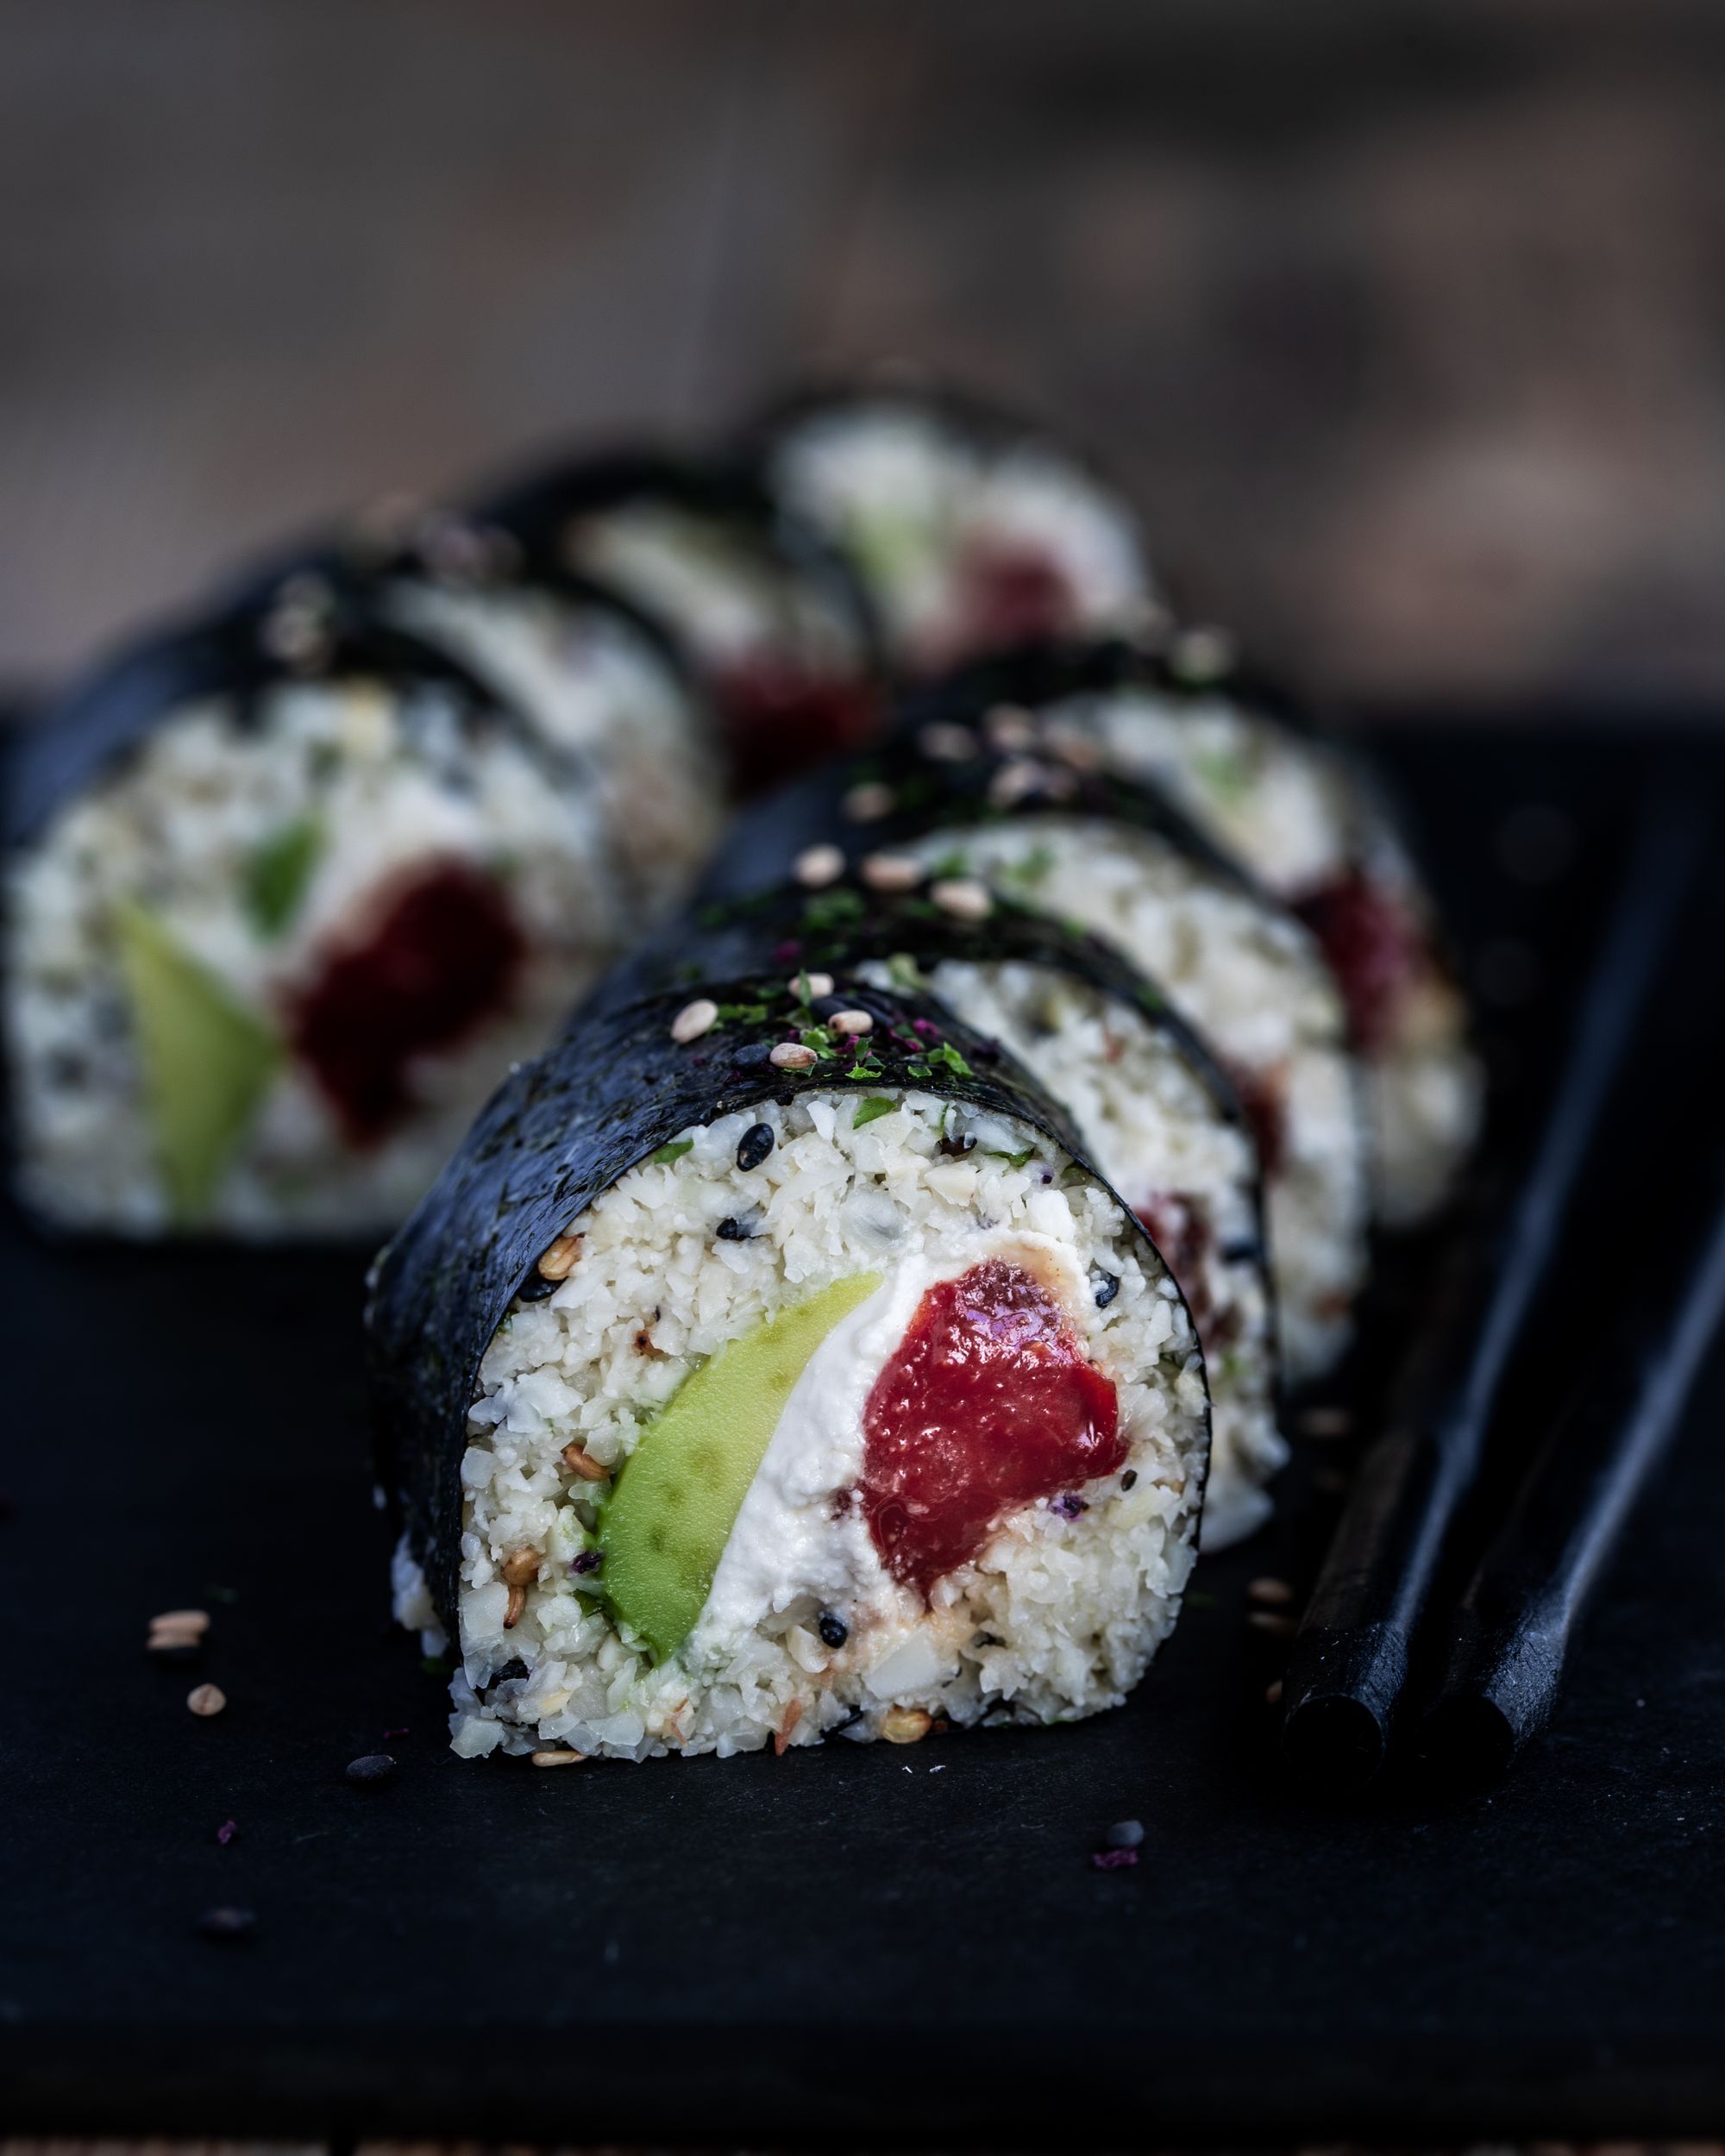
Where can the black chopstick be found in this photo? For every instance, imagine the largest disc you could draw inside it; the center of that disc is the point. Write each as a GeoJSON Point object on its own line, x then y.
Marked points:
{"type": "Point", "coordinates": [1514, 1620]}
{"type": "Point", "coordinates": [1349, 1663]}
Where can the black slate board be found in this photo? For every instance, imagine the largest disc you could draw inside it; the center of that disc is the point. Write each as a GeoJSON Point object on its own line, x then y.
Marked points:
{"type": "Point", "coordinates": [871, 1945]}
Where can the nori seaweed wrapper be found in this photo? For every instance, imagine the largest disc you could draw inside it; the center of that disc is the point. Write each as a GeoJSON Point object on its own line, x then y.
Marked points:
{"type": "Point", "coordinates": [560, 1132]}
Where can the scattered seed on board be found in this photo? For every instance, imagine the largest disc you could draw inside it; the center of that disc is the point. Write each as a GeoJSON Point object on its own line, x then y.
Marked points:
{"type": "Point", "coordinates": [851, 1022]}
{"type": "Point", "coordinates": [562, 1759]}
{"type": "Point", "coordinates": [694, 1019]}
{"type": "Point", "coordinates": [868, 802]}
{"type": "Point", "coordinates": [558, 1262]}
{"type": "Point", "coordinates": [905, 1725]}
{"type": "Point", "coordinates": [193, 1623]}
{"type": "Point", "coordinates": [892, 872]}
{"type": "Point", "coordinates": [1273, 1594]}
{"type": "Point", "coordinates": [1272, 1694]}
{"type": "Point", "coordinates": [806, 987]}
{"type": "Point", "coordinates": [1273, 1622]}
{"type": "Point", "coordinates": [816, 865]}
{"type": "Point", "coordinates": [793, 1056]}
{"type": "Point", "coordinates": [374, 1767]}
{"type": "Point", "coordinates": [1125, 1834]}
{"type": "Point", "coordinates": [228, 1923]}
{"type": "Point", "coordinates": [206, 1699]}
{"type": "Point", "coordinates": [520, 1567]}
{"type": "Point", "coordinates": [753, 1147]}
{"type": "Point", "coordinates": [963, 898]}
{"type": "Point", "coordinates": [584, 1464]}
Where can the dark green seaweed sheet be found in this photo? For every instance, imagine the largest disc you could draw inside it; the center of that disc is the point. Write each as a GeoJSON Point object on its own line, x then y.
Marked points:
{"type": "Point", "coordinates": [561, 1132]}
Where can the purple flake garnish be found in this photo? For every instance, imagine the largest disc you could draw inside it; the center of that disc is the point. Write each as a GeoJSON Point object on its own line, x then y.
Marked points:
{"type": "Point", "coordinates": [402, 1732]}
{"type": "Point", "coordinates": [226, 1832]}
{"type": "Point", "coordinates": [1068, 1506]}
{"type": "Point", "coordinates": [588, 1561]}
{"type": "Point", "coordinates": [1114, 1859]}
{"type": "Point", "coordinates": [926, 1027]}
{"type": "Point", "coordinates": [785, 952]}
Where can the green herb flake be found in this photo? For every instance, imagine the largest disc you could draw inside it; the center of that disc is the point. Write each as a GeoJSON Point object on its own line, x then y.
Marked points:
{"type": "Point", "coordinates": [743, 1014]}
{"type": "Point", "coordinates": [904, 972]}
{"type": "Point", "coordinates": [1012, 1160]}
{"type": "Point", "coordinates": [1224, 776]}
{"type": "Point", "coordinates": [1032, 870]}
{"type": "Point", "coordinates": [956, 863]}
{"type": "Point", "coordinates": [674, 1150]}
{"type": "Point", "coordinates": [815, 1036]}
{"type": "Point", "coordinates": [949, 1059]}
{"type": "Point", "coordinates": [918, 1070]}
{"type": "Point", "coordinates": [872, 1109]}
{"type": "Point", "coordinates": [277, 872]}
{"type": "Point", "coordinates": [830, 909]}
{"type": "Point", "coordinates": [867, 1067]}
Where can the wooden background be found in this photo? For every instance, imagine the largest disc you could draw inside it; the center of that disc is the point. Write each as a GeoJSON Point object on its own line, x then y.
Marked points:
{"type": "Point", "coordinates": [1406, 322]}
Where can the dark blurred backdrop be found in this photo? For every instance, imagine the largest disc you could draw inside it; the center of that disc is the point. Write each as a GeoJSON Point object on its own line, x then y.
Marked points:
{"type": "Point", "coordinates": [1406, 322]}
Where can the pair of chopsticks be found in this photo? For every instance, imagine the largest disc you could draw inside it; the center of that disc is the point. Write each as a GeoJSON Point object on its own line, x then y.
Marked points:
{"type": "Point", "coordinates": [1502, 1646]}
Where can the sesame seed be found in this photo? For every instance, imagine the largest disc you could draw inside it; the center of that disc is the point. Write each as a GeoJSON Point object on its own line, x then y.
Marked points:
{"type": "Point", "coordinates": [892, 872]}
{"type": "Point", "coordinates": [1272, 1694]}
{"type": "Point", "coordinates": [582, 1462]}
{"type": "Point", "coordinates": [905, 1725]}
{"type": "Point", "coordinates": [964, 899]}
{"type": "Point", "coordinates": [947, 744]}
{"type": "Point", "coordinates": [811, 984]}
{"type": "Point", "coordinates": [514, 1609]}
{"type": "Point", "coordinates": [1275, 1593]}
{"type": "Point", "coordinates": [793, 1056]}
{"type": "Point", "coordinates": [817, 865]}
{"type": "Point", "coordinates": [559, 1261]}
{"type": "Point", "coordinates": [868, 803]}
{"type": "Point", "coordinates": [206, 1699]}
{"type": "Point", "coordinates": [753, 1147]}
{"type": "Point", "coordinates": [520, 1567]}
{"type": "Point", "coordinates": [833, 1628]}
{"type": "Point", "coordinates": [694, 1019]}
{"type": "Point", "coordinates": [376, 1766]}
{"type": "Point", "coordinates": [566, 1758]}
{"type": "Point", "coordinates": [851, 1022]}
{"type": "Point", "coordinates": [1272, 1622]}
{"type": "Point", "coordinates": [192, 1623]}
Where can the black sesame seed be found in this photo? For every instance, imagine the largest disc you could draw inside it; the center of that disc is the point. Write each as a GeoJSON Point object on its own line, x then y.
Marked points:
{"type": "Point", "coordinates": [1107, 1287]}
{"type": "Point", "coordinates": [512, 1670]}
{"type": "Point", "coordinates": [1125, 1834]}
{"type": "Point", "coordinates": [733, 1230]}
{"type": "Point", "coordinates": [956, 1145]}
{"type": "Point", "coordinates": [754, 1145]}
{"type": "Point", "coordinates": [1129, 1480]}
{"type": "Point", "coordinates": [535, 1288]}
{"type": "Point", "coordinates": [753, 1054]}
{"type": "Point", "coordinates": [1243, 1253]}
{"type": "Point", "coordinates": [228, 1923]}
{"type": "Point", "coordinates": [376, 1766]}
{"type": "Point", "coordinates": [832, 1629]}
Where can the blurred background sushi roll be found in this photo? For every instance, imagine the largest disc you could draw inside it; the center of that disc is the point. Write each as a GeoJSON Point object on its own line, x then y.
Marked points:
{"type": "Point", "coordinates": [1152, 1108]}
{"type": "Point", "coordinates": [289, 893]}
{"type": "Point", "coordinates": [973, 531]}
{"type": "Point", "coordinates": [773, 621]}
{"type": "Point", "coordinates": [752, 1376]}
{"type": "Point", "coordinates": [961, 803]}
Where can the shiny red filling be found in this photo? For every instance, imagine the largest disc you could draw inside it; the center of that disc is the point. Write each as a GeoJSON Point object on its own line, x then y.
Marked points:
{"type": "Point", "coordinates": [1262, 1096]}
{"type": "Point", "coordinates": [988, 1404]}
{"type": "Point", "coordinates": [1008, 593]}
{"type": "Point", "coordinates": [442, 957]}
{"type": "Point", "coordinates": [782, 718]}
{"type": "Point", "coordinates": [1374, 946]}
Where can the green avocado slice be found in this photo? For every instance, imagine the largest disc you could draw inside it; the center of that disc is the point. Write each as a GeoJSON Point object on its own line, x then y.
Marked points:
{"type": "Point", "coordinates": [665, 1525]}
{"type": "Point", "coordinates": [208, 1061]}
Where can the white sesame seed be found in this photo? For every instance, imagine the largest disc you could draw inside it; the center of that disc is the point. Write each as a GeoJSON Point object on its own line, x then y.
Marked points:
{"type": "Point", "coordinates": [817, 865]}
{"type": "Point", "coordinates": [947, 744]}
{"type": "Point", "coordinates": [194, 1622]}
{"type": "Point", "coordinates": [812, 984]}
{"type": "Point", "coordinates": [963, 898]}
{"type": "Point", "coordinates": [851, 1022]}
{"type": "Point", "coordinates": [892, 872]}
{"type": "Point", "coordinates": [694, 1019]}
{"type": "Point", "coordinates": [1275, 1593]}
{"type": "Point", "coordinates": [1009, 727]}
{"type": "Point", "coordinates": [868, 802]}
{"type": "Point", "coordinates": [206, 1699]}
{"type": "Point", "coordinates": [564, 1759]}
{"type": "Point", "coordinates": [792, 1056]}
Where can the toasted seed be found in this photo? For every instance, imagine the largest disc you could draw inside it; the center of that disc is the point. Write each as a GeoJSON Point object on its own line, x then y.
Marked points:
{"type": "Point", "coordinates": [517, 1602]}
{"type": "Point", "coordinates": [584, 1464]}
{"type": "Point", "coordinates": [1273, 1622]}
{"type": "Point", "coordinates": [558, 1262]}
{"type": "Point", "coordinates": [868, 802]}
{"type": "Point", "coordinates": [1274, 1593]}
{"type": "Point", "coordinates": [808, 986]}
{"type": "Point", "coordinates": [1272, 1694]}
{"type": "Point", "coordinates": [793, 1056]}
{"type": "Point", "coordinates": [521, 1567]}
{"type": "Point", "coordinates": [375, 1767]}
{"type": "Point", "coordinates": [905, 1725]}
{"type": "Point", "coordinates": [851, 1022]}
{"type": "Point", "coordinates": [206, 1699]}
{"type": "Point", "coordinates": [694, 1019]}
{"type": "Point", "coordinates": [195, 1622]}
{"type": "Point", "coordinates": [816, 865]}
{"type": "Point", "coordinates": [892, 872]}
{"type": "Point", "coordinates": [754, 1146]}
{"type": "Point", "coordinates": [783, 1733]}
{"type": "Point", "coordinates": [564, 1758]}
{"type": "Point", "coordinates": [945, 743]}
{"type": "Point", "coordinates": [963, 898]}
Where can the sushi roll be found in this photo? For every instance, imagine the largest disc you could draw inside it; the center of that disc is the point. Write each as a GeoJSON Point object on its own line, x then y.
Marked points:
{"type": "Point", "coordinates": [773, 619]}
{"type": "Point", "coordinates": [972, 531]}
{"type": "Point", "coordinates": [958, 803]}
{"type": "Point", "coordinates": [1150, 1106]}
{"type": "Point", "coordinates": [601, 680]}
{"type": "Point", "coordinates": [286, 896]}
{"type": "Point", "coordinates": [742, 1386]}
{"type": "Point", "coordinates": [1305, 819]}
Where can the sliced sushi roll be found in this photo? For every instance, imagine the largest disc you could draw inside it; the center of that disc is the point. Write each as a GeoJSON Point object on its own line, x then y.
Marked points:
{"type": "Point", "coordinates": [600, 678]}
{"type": "Point", "coordinates": [775, 623]}
{"type": "Point", "coordinates": [1150, 1106]}
{"type": "Point", "coordinates": [958, 804]}
{"type": "Point", "coordinates": [742, 1387]}
{"type": "Point", "coordinates": [1307, 821]}
{"type": "Point", "coordinates": [276, 927]}
{"type": "Point", "coordinates": [973, 531]}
